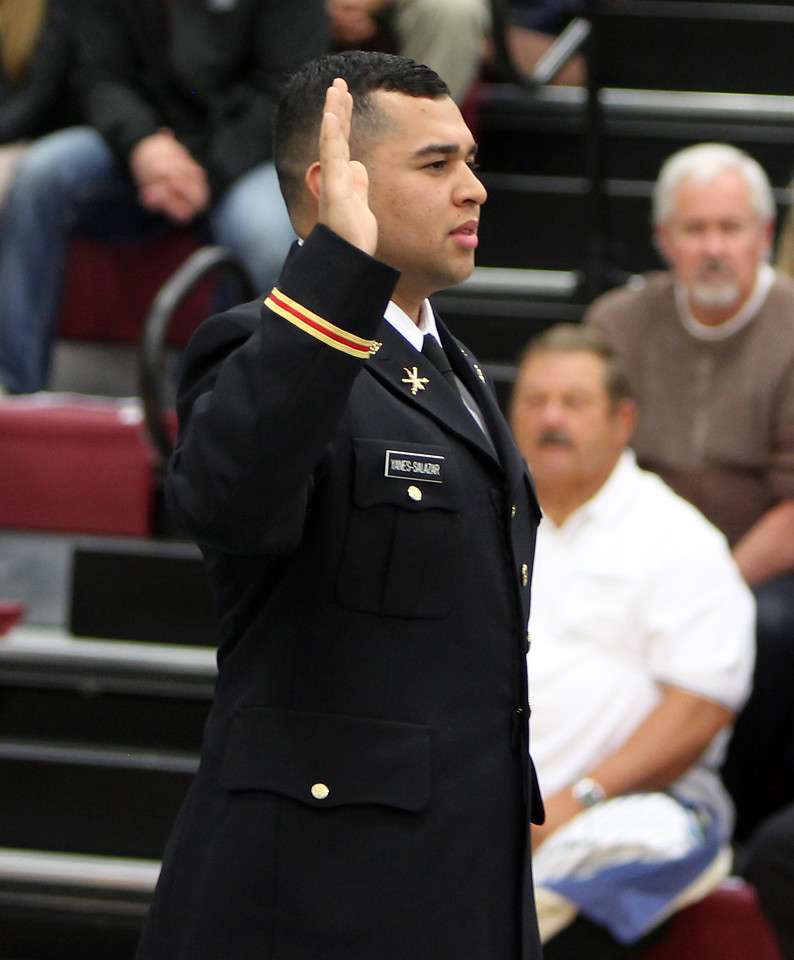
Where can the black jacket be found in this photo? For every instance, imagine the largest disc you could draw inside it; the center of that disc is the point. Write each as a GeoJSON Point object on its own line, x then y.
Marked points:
{"type": "Point", "coordinates": [365, 788]}
{"type": "Point", "coordinates": [212, 75]}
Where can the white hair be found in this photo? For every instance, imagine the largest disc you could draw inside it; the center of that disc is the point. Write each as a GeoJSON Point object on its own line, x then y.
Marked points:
{"type": "Point", "coordinates": [702, 163]}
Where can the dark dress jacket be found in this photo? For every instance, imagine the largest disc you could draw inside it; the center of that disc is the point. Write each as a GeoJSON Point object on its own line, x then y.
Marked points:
{"type": "Point", "coordinates": [210, 70]}
{"type": "Point", "coordinates": [365, 787]}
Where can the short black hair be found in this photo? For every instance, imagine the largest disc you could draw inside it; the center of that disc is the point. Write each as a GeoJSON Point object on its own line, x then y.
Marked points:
{"type": "Point", "coordinates": [299, 112]}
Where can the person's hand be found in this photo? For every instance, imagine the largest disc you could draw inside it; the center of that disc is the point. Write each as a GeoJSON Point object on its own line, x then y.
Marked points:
{"type": "Point", "coordinates": [353, 21]}
{"type": "Point", "coordinates": [344, 184]}
{"type": "Point", "coordinates": [169, 179]}
{"type": "Point", "coordinates": [560, 808]}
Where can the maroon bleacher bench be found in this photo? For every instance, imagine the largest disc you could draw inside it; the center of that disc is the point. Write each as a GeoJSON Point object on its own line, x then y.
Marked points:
{"type": "Point", "coordinates": [109, 288]}
{"type": "Point", "coordinates": [86, 465]}
{"type": "Point", "coordinates": [92, 465]}
{"type": "Point", "coordinates": [726, 925]}
{"type": "Point", "coordinates": [75, 465]}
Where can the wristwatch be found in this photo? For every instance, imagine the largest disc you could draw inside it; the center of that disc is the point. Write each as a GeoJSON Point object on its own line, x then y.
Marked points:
{"type": "Point", "coordinates": [588, 792]}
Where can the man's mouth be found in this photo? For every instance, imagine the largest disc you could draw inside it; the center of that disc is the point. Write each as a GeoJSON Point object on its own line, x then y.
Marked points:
{"type": "Point", "coordinates": [466, 234]}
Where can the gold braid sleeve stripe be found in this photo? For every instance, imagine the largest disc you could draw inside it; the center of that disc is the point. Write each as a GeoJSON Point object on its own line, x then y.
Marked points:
{"type": "Point", "coordinates": [317, 327]}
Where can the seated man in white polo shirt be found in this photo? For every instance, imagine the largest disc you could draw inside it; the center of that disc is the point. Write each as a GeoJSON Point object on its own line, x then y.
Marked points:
{"type": "Point", "coordinates": [641, 654]}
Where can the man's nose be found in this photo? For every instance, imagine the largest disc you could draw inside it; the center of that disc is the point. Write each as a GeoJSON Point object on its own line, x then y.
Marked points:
{"type": "Point", "coordinates": [471, 188]}
{"type": "Point", "coordinates": [551, 414]}
{"type": "Point", "coordinates": [714, 242]}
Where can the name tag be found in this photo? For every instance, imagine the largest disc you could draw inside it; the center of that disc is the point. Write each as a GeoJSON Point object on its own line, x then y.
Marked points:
{"type": "Point", "coordinates": [416, 466]}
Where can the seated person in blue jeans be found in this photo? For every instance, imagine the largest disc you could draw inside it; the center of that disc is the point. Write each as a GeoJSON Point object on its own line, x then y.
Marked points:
{"type": "Point", "coordinates": [180, 98]}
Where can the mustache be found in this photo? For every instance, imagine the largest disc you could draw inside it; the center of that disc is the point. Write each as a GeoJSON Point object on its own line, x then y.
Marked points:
{"type": "Point", "coordinates": [715, 263]}
{"type": "Point", "coordinates": [552, 437]}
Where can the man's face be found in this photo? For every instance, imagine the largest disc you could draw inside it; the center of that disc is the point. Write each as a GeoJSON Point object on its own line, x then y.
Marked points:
{"type": "Point", "coordinates": [564, 422]}
{"type": "Point", "coordinates": [424, 194]}
{"type": "Point", "coordinates": [714, 243]}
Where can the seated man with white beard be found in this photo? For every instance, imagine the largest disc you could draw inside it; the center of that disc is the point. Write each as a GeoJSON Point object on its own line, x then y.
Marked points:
{"type": "Point", "coordinates": [709, 351]}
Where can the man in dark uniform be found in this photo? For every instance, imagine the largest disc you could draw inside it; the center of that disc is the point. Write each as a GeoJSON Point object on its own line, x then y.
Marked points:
{"type": "Point", "coordinates": [368, 525]}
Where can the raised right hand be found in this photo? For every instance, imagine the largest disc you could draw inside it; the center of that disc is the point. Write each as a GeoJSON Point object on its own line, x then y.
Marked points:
{"type": "Point", "coordinates": [344, 183]}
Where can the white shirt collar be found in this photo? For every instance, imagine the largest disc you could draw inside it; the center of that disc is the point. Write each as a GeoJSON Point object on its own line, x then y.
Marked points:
{"type": "Point", "coordinates": [611, 498]}
{"type": "Point", "coordinates": [404, 325]}
{"type": "Point", "coordinates": [763, 283]}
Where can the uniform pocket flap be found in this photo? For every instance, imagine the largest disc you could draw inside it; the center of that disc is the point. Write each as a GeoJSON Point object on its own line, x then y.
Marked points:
{"type": "Point", "coordinates": [411, 476]}
{"type": "Point", "coordinates": [326, 760]}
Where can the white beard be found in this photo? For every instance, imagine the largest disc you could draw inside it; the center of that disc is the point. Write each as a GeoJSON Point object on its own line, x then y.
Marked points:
{"type": "Point", "coordinates": [722, 294]}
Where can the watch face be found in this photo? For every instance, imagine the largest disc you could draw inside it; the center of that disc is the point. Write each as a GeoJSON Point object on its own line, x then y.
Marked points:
{"type": "Point", "coordinates": [588, 792]}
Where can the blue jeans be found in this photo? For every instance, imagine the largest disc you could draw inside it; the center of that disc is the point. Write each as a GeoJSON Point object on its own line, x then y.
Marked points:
{"type": "Point", "coordinates": [69, 183]}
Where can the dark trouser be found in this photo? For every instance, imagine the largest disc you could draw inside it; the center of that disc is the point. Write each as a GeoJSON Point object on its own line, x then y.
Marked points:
{"type": "Point", "coordinates": [585, 940]}
{"type": "Point", "coordinates": [767, 861]}
{"type": "Point", "coordinates": [759, 768]}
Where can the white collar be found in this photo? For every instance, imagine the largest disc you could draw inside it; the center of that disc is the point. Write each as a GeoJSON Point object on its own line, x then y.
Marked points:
{"type": "Point", "coordinates": [763, 283]}
{"type": "Point", "coordinates": [414, 333]}
{"type": "Point", "coordinates": [610, 500]}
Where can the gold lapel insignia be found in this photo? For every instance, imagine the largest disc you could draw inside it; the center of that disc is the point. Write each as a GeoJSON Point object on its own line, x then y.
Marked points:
{"type": "Point", "coordinates": [480, 374]}
{"type": "Point", "coordinates": [417, 383]}
{"type": "Point", "coordinates": [376, 345]}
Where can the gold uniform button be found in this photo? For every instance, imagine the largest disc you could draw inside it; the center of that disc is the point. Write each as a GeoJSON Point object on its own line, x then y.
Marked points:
{"type": "Point", "coordinates": [524, 574]}
{"type": "Point", "coordinates": [320, 791]}
{"type": "Point", "coordinates": [414, 493]}
{"type": "Point", "coordinates": [513, 510]}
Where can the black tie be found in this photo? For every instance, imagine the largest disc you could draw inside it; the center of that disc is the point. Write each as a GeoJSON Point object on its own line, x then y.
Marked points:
{"type": "Point", "coordinates": [434, 352]}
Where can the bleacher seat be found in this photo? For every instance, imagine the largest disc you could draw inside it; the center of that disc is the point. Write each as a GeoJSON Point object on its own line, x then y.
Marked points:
{"type": "Point", "coordinates": [109, 289]}
{"type": "Point", "coordinates": [83, 465]}
{"type": "Point", "coordinates": [726, 925]}
{"type": "Point", "coordinates": [692, 45]}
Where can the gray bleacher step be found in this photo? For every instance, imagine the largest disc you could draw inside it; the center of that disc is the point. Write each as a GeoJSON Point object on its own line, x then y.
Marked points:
{"type": "Point", "coordinates": [121, 588]}
{"type": "Point", "coordinates": [141, 590]}
{"type": "Point", "coordinates": [497, 309]}
{"type": "Point", "coordinates": [673, 44]}
{"type": "Point", "coordinates": [543, 131]}
{"type": "Point", "coordinates": [99, 740]}
{"type": "Point", "coordinates": [35, 570]}
{"type": "Point", "coordinates": [142, 696]}
{"type": "Point", "coordinates": [123, 879]}
{"type": "Point", "coordinates": [56, 906]}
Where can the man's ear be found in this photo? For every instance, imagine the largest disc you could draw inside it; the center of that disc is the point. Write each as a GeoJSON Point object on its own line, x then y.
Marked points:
{"type": "Point", "coordinates": [312, 177]}
{"type": "Point", "coordinates": [769, 238]}
{"type": "Point", "coordinates": [627, 411]}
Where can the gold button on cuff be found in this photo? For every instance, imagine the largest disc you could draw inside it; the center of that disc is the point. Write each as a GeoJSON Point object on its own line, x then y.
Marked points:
{"type": "Point", "coordinates": [414, 493]}
{"type": "Point", "coordinates": [524, 574]}
{"type": "Point", "coordinates": [320, 791]}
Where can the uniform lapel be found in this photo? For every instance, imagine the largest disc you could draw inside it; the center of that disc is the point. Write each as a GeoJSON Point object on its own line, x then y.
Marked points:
{"type": "Point", "coordinates": [413, 377]}
{"type": "Point", "coordinates": [470, 372]}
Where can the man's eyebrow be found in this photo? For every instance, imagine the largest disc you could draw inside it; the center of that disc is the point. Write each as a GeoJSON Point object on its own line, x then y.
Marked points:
{"type": "Point", "coordinates": [446, 149]}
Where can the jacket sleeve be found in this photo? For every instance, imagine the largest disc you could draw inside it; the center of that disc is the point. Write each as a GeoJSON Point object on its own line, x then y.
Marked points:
{"type": "Point", "coordinates": [262, 396]}
{"type": "Point", "coordinates": [111, 83]}
{"type": "Point", "coordinates": [216, 84]}
{"type": "Point", "coordinates": [288, 34]}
